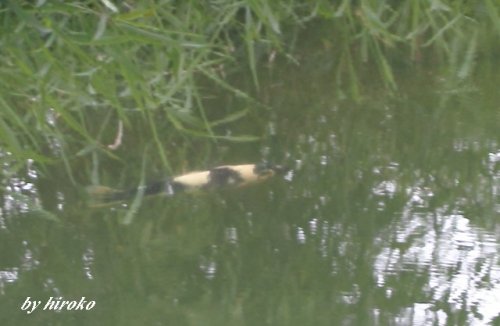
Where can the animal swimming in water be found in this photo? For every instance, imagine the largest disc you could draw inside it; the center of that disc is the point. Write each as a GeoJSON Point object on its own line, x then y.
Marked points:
{"type": "Point", "coordinates": [221, 177]}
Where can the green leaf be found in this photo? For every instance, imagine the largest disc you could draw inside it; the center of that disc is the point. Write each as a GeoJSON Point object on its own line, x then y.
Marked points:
{"type": "Point", "coordinates": [230, 118]}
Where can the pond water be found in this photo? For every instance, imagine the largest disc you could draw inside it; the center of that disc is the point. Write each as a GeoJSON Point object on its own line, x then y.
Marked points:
{"type": "Point", "coordinates": [388, 216]}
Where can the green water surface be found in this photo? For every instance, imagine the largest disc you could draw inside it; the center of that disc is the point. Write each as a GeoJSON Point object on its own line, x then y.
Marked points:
{"type": "Point", "coordinates": [389, 215]}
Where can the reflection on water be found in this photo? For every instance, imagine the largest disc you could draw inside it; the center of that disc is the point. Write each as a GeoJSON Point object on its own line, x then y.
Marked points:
{"type": "Point", "coordinates": [437, 252]}
{"type": "Point", "coordinates": [389, 216]}
{"type": "Point", "coordinates": [8, 275]}
{"type": "Point", "coordinates": [20, 194]}
{"type": "Point", "coordinates": [460, 260]}
{"type": "Point", "coordinates": [382, 236]}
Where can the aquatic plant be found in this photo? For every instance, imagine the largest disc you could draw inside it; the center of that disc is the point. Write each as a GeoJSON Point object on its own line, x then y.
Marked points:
{"type": "Point", "coordinates": [78, 74]}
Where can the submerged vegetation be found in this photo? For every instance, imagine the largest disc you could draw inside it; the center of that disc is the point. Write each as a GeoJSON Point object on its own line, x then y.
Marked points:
{"type": "Point", "coordinates": [80, 74]}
